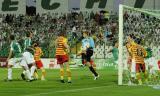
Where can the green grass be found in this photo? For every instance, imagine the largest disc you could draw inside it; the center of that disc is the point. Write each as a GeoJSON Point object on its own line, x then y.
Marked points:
{"type": "Point", "coordinates": [83, 85]}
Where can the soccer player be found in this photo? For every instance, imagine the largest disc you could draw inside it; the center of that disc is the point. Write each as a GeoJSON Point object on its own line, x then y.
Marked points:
{"type": "Point", "coordinates": [87, 50]}
{"type": "Point", "coordinates": [138, 53]}
{"type": "Point", "coordinates": [115, 53]}
{"type": "Point", "coordinates": [28, 40]}
{"type": "Point", "coordinates": [83, 56]}
{"type": "Point", "coordinates": [15, 57]}
{"type": "Point", "coordinates": [62, 56]}
{"type": "Point", "coordinates": [37, 57]}
{"type": "Point", "coordinates": [152, 66]}
{"type": "Point", "coordinates": [30, 49]}
{"type": "Point", "coordinates": [130, 71]}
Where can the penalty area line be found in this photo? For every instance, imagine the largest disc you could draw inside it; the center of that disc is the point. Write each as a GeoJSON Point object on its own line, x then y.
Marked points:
{"type": "Point", "coordinates": [63, 91]}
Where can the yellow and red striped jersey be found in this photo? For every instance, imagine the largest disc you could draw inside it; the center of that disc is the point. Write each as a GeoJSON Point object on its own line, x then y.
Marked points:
{"type": "Point", "coordinates": [138, 53]}
{"type": "Point", "coordinates": [38, 53]}
{"type": "Point", "coordinates": [60, 50]}
{"type": "Point", "coordinates": [128, 46]}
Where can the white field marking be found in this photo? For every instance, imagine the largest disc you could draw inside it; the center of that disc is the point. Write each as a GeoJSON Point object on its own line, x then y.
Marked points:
{"type": "Point", "coordinates": [72, 90]}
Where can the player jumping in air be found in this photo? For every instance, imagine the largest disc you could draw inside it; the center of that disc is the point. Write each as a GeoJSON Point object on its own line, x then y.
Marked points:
{"type": "Point", "coordinates": [87, 51]}
{"type": "Point", "coordinates": [62, 56]}
{"type": "Point", "coordinates": [37, 57]}
{"type": "Point", "coordinates": [138, 53]}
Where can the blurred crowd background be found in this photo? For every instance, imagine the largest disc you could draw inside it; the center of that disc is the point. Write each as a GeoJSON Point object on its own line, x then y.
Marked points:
{"type": "Point", "coordinates": [103, 27]}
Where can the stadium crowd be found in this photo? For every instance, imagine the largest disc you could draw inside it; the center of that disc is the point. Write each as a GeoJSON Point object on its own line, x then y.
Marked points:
{"type": "Point", "coordinates": [144, 26]}
{"type": "Point", "coordinates": [102, 25]}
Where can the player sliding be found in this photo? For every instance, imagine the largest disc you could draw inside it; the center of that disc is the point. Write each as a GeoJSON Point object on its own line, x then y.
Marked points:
{"type": "Point", "coordinates": [62, 56]}
{"type": "Point", "coordinates": [37, 56]}
{"type": "Point", "coordinates": [87, 53]}
{"type": "Point", "coordinates": [138, 53]}
{"type": "Point", "coordinates": [15, 57]}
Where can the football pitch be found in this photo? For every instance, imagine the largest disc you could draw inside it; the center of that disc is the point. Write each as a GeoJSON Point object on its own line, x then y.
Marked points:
{"type": "Point", "coordinates": [82, 85]}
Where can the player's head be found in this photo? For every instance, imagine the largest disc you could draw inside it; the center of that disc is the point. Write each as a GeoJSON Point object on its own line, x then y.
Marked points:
{"type": "Point", "coordinates": [138, 40]}
{"type": "Point", "coordinates": [130, 38]}
{"type": "Point", "coordinates": [35, 44]}
{"type": "Point", "coordinates": [62, 33]}
{"type": "Point", "coordinates": [29, 34]}
{"type": "Point", "coordinates": [116, 45]}
{"type": "Point", "coordinates": [12, 37]}
{"type": "Point", "coordinates": [85, 34]}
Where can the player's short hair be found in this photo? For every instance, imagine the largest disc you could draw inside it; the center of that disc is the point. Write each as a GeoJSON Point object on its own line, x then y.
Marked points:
{"type": "Point", "coordinates": [132, 36]}
{"type": "Point", "coordinates": [28, 34]}
{"type": "Point", "coordinates": [86, 32]}
{"type": "Point", "coordinates": [12, 37]}
{"type": "Point", "coordinates": [138, 40]}
{"type": "Point", "coordinates": [35, 43]}
{"type": "Point", "coordinates": [62, 33]}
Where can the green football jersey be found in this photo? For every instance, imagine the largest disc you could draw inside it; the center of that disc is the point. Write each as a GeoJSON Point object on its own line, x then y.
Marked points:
{"type": "Point", "coordinates": [27, 43]}
{"type": "Point", "coordinates": [115, 53]}
{"type": "Point", "coordinates": [16, 49]}
{"type": "Point", "coordinates": [149, 53]}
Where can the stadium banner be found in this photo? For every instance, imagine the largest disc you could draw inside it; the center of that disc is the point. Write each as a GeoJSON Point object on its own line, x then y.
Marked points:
{"type": "Point", "coordinates": [146, 4]}
{"type": "Point", "coordinates": [13, 7]}
{"type": "Point", "coordinates": [97, 5]}
{"type": "Point", "coordinates": [51, 63]}
{"type": "Point", "coordinates": [48, 63]}
{"type": "Point", "coordinates": [51, 6]}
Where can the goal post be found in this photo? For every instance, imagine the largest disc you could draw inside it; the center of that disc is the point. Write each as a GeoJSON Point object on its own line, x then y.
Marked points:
{"type": "Point", "coordinates": [147, 31]}
{"type": "Point", "coordinates": [120, 48]}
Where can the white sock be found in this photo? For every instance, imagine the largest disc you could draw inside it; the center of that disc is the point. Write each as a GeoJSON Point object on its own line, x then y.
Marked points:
{"type": "Point", "coordinates": [9, 73]}
{"type": "Point", "coordinates": [33, 68]}
{"type": "Point", "coordinates": [28, 74]}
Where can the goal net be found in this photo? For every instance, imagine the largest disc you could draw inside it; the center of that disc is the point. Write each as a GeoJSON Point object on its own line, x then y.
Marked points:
{"type": "Point", "coordinates": [139, 27]}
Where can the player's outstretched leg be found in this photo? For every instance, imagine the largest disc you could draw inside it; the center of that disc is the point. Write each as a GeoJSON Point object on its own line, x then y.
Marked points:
{"type": "Point", "coordinates": [139, 78]}
{"type": "Point", "coordinates": [9, 73]}
{"type": "Point", "coordinates": [33, 68]}
{"type": "Point", "coordinates": [27, 72]}
{"type": "Point", "coordinates": [36, 74]}
{"type": "Point", "coordinates": [43, 73]}
{"type": "Point", "coordinates": [23, 75]}
{"type": "Point", "coordinates": [68, 73]}
{"type": "Point", "coordinates": [93, 71]}
{"type": "Point", "coordinates": [62, 73]}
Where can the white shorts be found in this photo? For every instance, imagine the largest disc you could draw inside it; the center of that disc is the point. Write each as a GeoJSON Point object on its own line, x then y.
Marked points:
{"type": "Point", "coordinates": [153, 63]}
{"type": "Point", "coordinates": [14, 61]}
{"type": "Point", "coordinates": [27, 58]}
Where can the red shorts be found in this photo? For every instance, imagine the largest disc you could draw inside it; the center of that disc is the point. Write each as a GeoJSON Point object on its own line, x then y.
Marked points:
{"type": "Point", "coordinates": [129, 61]}
{"type": "Point", "coordinates": [159, 64]}
{"type": "Point", "coordinates": [62, 59]}
{"type": "Point", "coordinates": [39, 64]}
{"type": "Point", "coordinates": [140, 68]}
